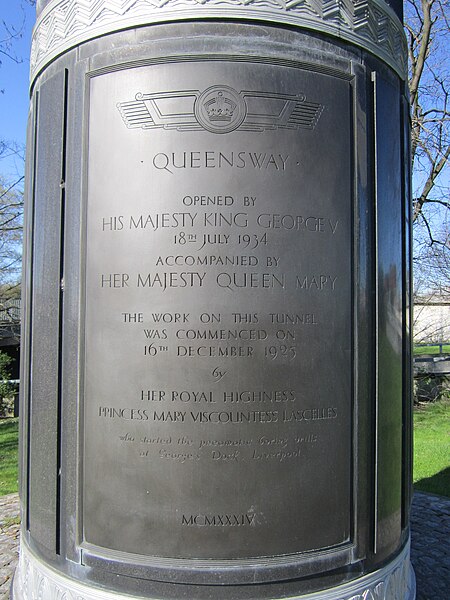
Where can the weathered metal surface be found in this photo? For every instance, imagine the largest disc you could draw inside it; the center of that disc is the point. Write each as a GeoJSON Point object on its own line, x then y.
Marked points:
{"type": "Point", "coordinates": [219, 264]}
{"type": "Point", "coordinates": [45, 319]}
{"type": "Point", "coordinates": [222, 259]}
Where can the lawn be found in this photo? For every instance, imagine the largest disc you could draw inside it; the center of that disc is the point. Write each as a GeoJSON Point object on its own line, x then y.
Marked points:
{"type": "Point", "coordinates": [419, 350]}
{"type": "Point", "coordinates": [431, 450]}
{"type": "Point", "coordinates": [8, 455]}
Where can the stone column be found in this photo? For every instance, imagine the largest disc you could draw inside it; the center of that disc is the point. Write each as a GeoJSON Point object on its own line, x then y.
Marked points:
{"type": "Point", "coordinates": [216, 353]}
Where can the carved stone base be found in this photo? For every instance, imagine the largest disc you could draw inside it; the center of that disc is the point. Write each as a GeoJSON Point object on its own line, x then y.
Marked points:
{"type": "Point", "coordinates": [34, 580]}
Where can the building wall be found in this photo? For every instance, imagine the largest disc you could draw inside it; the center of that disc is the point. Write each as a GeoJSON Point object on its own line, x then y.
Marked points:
{"type": "Point", "coordinates": [431, 322]}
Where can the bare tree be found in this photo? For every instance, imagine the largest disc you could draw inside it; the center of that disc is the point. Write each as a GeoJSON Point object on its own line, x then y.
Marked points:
{"type": "Point", "coordinates": [10, 33]}
{"type": "Point", "coordinates": [11, 215]}
{"type": "Point", "coordinates": [427, 26]}
{"type": "Point", "coordinates": [11, 191]}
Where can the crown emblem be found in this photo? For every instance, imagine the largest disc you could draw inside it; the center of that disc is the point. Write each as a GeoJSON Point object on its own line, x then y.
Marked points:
{"type": "Point", "coordinates": [220, 109]}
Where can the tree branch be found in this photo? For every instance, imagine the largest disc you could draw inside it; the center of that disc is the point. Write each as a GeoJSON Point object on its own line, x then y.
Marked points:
{"type": "Point", "coordinates": [435, 171]}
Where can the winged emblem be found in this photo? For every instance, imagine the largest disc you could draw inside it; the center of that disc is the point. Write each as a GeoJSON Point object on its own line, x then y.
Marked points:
{"type": "Point", "coordinates": [220, 109]}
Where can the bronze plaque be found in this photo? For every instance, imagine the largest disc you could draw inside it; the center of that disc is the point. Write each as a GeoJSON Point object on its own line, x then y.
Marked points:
{"type": "Point", "coordinates": [218, 314]}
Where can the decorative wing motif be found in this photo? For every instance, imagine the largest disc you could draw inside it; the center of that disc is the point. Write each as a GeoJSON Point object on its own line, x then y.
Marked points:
{"type": "Point", "coordinates": [280, 111]}
{"type": "Point", "coordinates": [167, 110]}
{"type": "Point", "coordinates": [220, 109]}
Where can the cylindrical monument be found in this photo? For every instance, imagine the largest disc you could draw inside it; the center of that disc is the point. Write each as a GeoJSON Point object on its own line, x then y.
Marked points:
{"type": "Point", "coordinates": [216, 356]}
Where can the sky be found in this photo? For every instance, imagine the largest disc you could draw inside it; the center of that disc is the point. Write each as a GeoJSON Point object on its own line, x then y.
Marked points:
{"type": "Point", "coordinates": [14, 80]}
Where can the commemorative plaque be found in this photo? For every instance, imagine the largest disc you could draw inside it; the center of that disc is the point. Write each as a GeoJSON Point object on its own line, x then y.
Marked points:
{"type": "Point", "coordinates": [218, 273]}
{"type": "Point", "coordinates": [216, 361]}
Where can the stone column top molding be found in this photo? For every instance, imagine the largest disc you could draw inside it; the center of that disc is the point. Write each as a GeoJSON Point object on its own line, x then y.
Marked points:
{"type": "Point", "coordinates": [369, 24]}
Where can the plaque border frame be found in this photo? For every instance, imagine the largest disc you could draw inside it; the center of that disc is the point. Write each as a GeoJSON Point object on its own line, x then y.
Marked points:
{"type": "Point", "coordinates": [261, 569]}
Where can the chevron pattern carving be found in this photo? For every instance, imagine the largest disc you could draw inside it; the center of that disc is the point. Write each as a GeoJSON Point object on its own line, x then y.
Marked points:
{"type": "Point", "coordinates": [36, 581]}
{"type": "Point", "coordinates": [367, 23]}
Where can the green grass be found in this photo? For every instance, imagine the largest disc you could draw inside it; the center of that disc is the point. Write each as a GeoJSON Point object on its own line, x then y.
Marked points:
{"type": "Point", "coordinates": [419, 350]}
{"type": "Point", "coordinates": [432, 448]}
{"type": "Point", "coordinates": [9, 436]}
